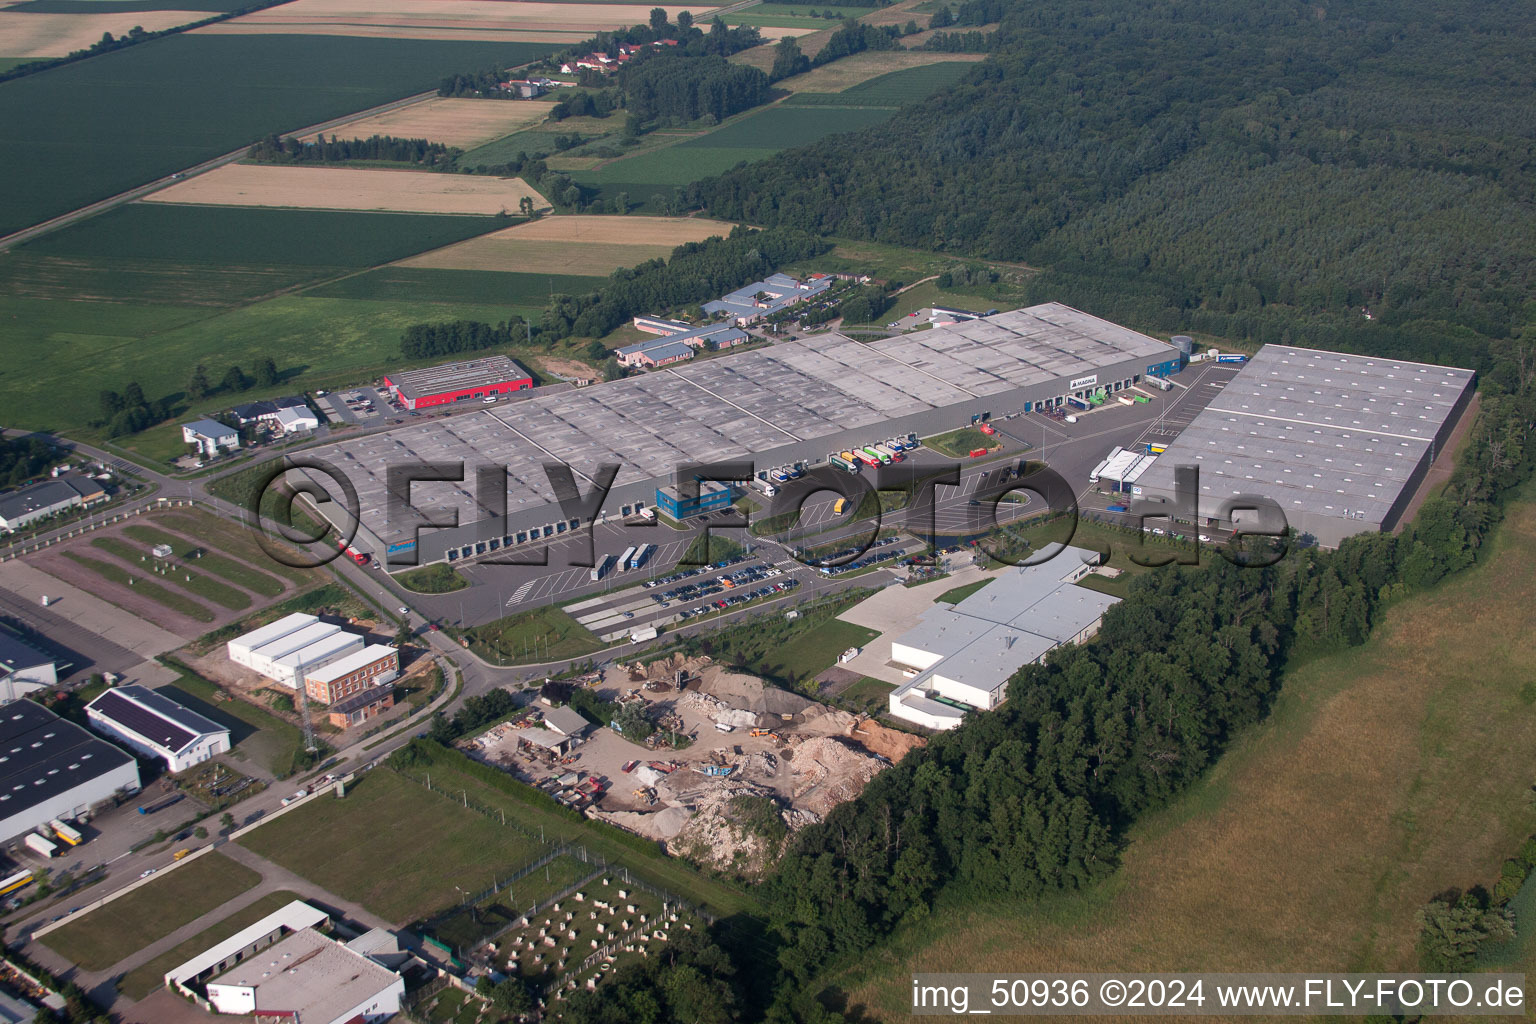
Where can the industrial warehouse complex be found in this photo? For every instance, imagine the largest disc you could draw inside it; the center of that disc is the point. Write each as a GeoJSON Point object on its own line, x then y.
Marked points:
{"type": "Point", "coordinates": [962, 655]}
{"type": "Point", "coordinates": [1339, 442]}
{"type": "Point", "coordinates": [474, 380]}
{"type": "Point", "coordinates": [51, 768]}
{"type": "Point", "coordinates": [793, 401]}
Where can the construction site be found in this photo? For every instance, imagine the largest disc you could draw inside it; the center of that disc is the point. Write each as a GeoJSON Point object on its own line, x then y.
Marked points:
{"type": "Point", "coordinates": [726, 748]}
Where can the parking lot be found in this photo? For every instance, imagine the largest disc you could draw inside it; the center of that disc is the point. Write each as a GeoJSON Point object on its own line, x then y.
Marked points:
{"type": "Point", "coordinates": [367, 406]}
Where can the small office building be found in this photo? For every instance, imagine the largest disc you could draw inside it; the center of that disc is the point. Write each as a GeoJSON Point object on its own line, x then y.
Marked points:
{"type": "Point", "coordinates": [712, 496]}
{"type": "Point", "coordinates": [210, 437]}
{"type": "Point", "coordinates": [360, 670]}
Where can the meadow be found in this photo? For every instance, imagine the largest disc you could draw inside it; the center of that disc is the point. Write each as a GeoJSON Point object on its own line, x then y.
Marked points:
{"type": "Point", "coordinates": [1384, 775]}
{"type": "Point", "coordinates": [93, 128]}
{"type": "Point", "coordinates": [574, 246]}
{"type": "Point", "coordinates": [427, 284]}
{"type": "Point", "coordinates": [105, 936]}
{"type": "Point", "coordinates": [754, 136]}
{"type": "Point", "coordinates": [890, 89]}
{"type": "Point", "coordinates": [464, 123]}
{"type": "Point", "coordinates": [351, 188]}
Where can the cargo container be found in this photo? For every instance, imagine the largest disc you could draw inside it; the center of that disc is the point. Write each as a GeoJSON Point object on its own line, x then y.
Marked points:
{"type": "Point", "coordinates": [601, 568]}
{"type": "Point", "coordinates": [1077, 403]}
{"type": "Point", "coordinates": [842, 463]}
{"type": "Point", "coordinates": [40, 846]}
{"type": "Point", "coordinates": [1140, 399]}
{"type": "Point", "coordinates": [629, 553]}
{"type": "Point", "coordinates": [767, 489]}
{"type": "Point", "coordinates": [840, 506]}
{"type": "Point", "coordinates": [886, 455]}
{"type": "Point", "coordinates": [66, 833]}
{"type": "Point", "coordinates": [1125, 400]}
{"type": "Point", "coordinates": [640, 636]}
{"type": "Point", "coordinates": [1117, 508]}
{"type": "Point", "coordinates": [1231, 358]}
{"type": "Point", "coordinates": [849, 457]}
{"type": "Point", "coordinates": [641, 554]}
{"type": "Point", "coordinates": [867, 457]}
{"type": "Point", "coordinates": [874, 452]}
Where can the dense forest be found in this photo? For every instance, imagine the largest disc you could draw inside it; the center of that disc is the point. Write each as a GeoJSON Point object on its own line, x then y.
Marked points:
{"type": "Point", "coordinates": [668, 88]}
{"type": "Point", "coordinates": [23, 458]}
{"type": "Point", "coordinates": [1260, 172]}
{"type": "Point", "coordinates": [275, 150]}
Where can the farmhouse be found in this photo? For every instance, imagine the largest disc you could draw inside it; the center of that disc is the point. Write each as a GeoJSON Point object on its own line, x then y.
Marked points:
{"type": "Point", "coordinates": [210, 436]}
{"type": "Point", "coordinates": [23, 669]}
{"type": "Point", "coordinates": [156, 725]}
{"type": "Point", "coordinates": [1339, 442]}
{"type": "Point", "coordinates": [52, 768]}
{"type": "Point", "coordinates": [963, 656]}
{"type": "Point", "coordinates": [27, 505]}
{"type": "Point", "coordinates": [475, 379]}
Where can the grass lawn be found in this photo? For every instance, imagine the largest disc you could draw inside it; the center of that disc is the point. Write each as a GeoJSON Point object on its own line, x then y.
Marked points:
{"type": "Point", "coordinates": [815, 650]}
{"type": "Point", "coordinates": [428, 284]}
{"type": "Point", "coordinates": [930, 294]}
{"type": "Point", "coordinates": [208, 561]}
{"type": "Point", "coordinates": [235, 541]}
{"type": "Point", "coordinates": [959, 444]}
{"type": "Point", "coordinates": [432, 579]}
{"type": "Point", "coordinates": [180, 577]}
{"type": "Point", "coordinates": [660, 870]}
{"type": "Point", "coordinates": [254, 734]}
{"type": "Point", "coordinates": [1383, 775]}
{"type": "Point", "coordinates": [542, 634]}
{"type": "Point", "coordinates": [141, 981]}
{"type": "Point", "coordinates": [114, 573]}
{"type": "Point", "coordinates": [106, 935]}
{"type": "Point", "coordinates": [959, 594]}
{"type": "Point", "coordinates": [867, 695]}
{"type": "Point", "coordinates": [427, 842]}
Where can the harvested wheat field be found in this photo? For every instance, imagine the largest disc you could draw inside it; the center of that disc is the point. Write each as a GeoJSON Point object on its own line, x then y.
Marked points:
{"type": "Point", "coordinates": [465, 123]}
{"type": "Point", "coordinates": [345, 188]}
{"type": "Point", "coordinates": [861, 67]}
{"type": "Point", "coordinates": [592, 246]}
{"type": "Point", "coordinates": [29, 34]}
{"type": "Point", "coordinates": [441, 19]}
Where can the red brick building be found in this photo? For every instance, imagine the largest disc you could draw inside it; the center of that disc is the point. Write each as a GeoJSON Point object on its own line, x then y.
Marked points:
{"type": "Point", "coordinates": [359, 671]}
{"type": "Point", "coordinates": [360, 707]}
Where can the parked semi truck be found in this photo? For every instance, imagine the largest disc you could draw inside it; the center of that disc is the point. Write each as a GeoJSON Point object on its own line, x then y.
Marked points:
{"type": "Point", "coordinates": [886, 454]}
{"type": "Point", "coordinates": [867, 457]}
{"type": "Point", "coordinates": [40, 846]}
{"type": "Point", "coordinates": [160, 805]}
{"type": "Point", "coordinates": [842, 463]}
{"type": "Point", "coordinates": [360, 557]}
{"type": "Point", "coordinates": [762, 484]}
{"type": "Point", "coordinates": [66, 833]}
{"type": "Point", "coordinates": [642, 553]}
{"type": "Point", "coordinates": [601, 568]}
{"type": "Point", "coordinates": [874, 452]}
{"type": "Point", "coordinates": [629, 553]}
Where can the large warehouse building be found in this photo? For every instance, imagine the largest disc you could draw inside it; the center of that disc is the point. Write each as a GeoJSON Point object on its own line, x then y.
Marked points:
{"type": "Point", "coordinates": [51, 768]}
{"type": "Point", "coordinates": [792, 401]}
{"type": "Point", "coordinates": [474, 380]}
{"type": "Point", "coordinates": [157, 726]}
{"type": "Point", "coordinates": [964, 654]}
{"type": "Point", "coordinates": [287, 650]}
{"type": "Point", "coordinates": [1339, 442]}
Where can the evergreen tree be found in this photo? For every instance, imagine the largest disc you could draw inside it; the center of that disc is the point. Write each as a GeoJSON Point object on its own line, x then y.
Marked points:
{"type": "Point", "coordinates": [198, 386]}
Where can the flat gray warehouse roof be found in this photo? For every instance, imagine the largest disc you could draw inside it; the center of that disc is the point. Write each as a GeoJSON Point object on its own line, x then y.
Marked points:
{"type": "Point", "coordinates": [739, 405]}
{"type": "Point", "coordinates": [1320, 433]}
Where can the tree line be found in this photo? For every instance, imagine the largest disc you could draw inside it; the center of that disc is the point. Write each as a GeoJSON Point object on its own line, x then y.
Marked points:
{"type": "Point", "coordinates": [23, 459]}
{"type": "Point", "coordinates": [664, 88]}
{"type": "Point", "coordinates": [423, 152]}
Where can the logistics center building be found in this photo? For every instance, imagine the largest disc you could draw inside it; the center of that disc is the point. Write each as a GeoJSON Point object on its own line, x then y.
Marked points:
{"type": "Point", "coordinates": [788, 402]}
{"type": "Point", "coordinates": [1339, 442]}
{"type": "Point", "coordinates": [475, 379]}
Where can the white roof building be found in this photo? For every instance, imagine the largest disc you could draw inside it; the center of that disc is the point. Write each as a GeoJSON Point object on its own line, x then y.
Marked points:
{"type": "Point", "coordinates": [964, 655]}
{"type": "Point", "coordinates": [296, 916]}
{"type": "Point", "coordinates": [291, 668]}
{"type": "Point", "coordinates": [297, 421]}
{"type": "Point", "coordinates": [309, 978]}
{"type": "Point", "coordinates": [210, 436]}
{"type": "Point", "coordinates": [296, 644]}
{"type": "Point", "coordinates": [153, 724]}
{"type": "Point", "coordinates": [242, 648]}
{"type": "Point", "coordinates": [23, 669]}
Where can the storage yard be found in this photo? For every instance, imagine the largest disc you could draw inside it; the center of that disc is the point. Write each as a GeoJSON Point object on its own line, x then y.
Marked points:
{"type": "Point", "coordinates": [743, 739]}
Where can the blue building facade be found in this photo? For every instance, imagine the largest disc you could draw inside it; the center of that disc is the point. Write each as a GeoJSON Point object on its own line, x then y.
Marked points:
{"type": "Point", "coordinates": [712, 496]}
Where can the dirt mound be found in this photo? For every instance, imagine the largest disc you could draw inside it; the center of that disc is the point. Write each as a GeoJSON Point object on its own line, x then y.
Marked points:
{"type": "Point", "coordinates": [829, 771]}
{"type": "Point", "coordinates": [715, 836]}
{"type": "Point", "coordinates": [886, 742]}
{"type": "Point", "coordinates": [721, 682]}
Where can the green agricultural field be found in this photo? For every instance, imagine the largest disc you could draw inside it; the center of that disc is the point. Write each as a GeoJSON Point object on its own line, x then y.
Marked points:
{"type": "Point", "coordinates": [897, 89]}
{"type": "Point", "coordinates": [94, 128]}
{"type": "Point", "coordinates": [425, 284]}
{"type": "Point", "coordinates": [141, 981]}
{"type": "Point", "coordinates": [758, 18]}
{"type": "Point", "coordinates": [243, 236]}
{"type": "Point", "coordinates": [197, 554]}
{"type": "Point", "coordinates": [429, 842]}
{"type": "Point", "coordinates": [105, 936]}
{"type": "Point", "coordinates": [754, 136]}
{"type": "Point", "coordinates": [316, 342]}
